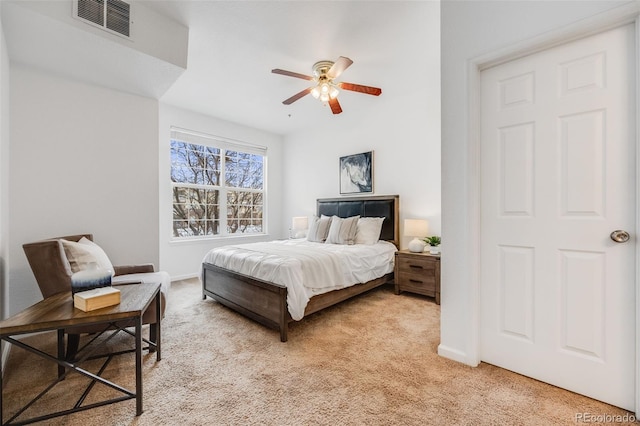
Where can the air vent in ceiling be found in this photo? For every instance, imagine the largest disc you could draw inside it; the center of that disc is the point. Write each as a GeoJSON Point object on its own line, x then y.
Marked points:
{"type": "Point", "coordinates": [110, 15]}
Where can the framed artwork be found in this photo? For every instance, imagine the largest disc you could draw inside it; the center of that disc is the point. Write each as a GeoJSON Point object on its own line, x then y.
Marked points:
{"type": "Point", "coordinates": [356, 173]}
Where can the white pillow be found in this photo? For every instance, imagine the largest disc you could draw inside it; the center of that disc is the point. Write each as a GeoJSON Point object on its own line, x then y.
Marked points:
{"type": "Point", "coordinates": [318, 229]}
{"type": "Point", "coordinates": [368, 230]}
{"type": "Point", "coordinates": [84, 253]}
{"type": "Point", "coordinates": [342, 231]}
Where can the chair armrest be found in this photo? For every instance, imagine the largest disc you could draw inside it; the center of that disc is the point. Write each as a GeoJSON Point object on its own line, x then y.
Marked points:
{"type": "Point", "coordinates": [126, 283]}
{"type": "Point", "coordinates": [133, 269]}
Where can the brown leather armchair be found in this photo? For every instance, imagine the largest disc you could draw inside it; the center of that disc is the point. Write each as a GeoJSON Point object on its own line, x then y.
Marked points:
{"type": "Point", "coordinates": [52, 271]}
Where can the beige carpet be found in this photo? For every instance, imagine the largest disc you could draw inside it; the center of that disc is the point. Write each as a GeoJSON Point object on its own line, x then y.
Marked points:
{"type": "Point", "coordinates": [369, 361]}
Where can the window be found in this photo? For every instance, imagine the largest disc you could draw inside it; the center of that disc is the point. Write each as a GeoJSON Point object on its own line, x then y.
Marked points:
{"type": "Point", "coordinates": [218, 186]}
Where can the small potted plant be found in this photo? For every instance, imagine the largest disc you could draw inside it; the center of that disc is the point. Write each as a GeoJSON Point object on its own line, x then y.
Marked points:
{"type": "Point", "coordinates": [434, 242]}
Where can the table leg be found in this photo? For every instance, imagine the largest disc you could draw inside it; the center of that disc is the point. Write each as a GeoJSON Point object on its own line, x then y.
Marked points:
{"type": "Point", "coordinates": [60, 351]}
{"type": "Point", "coordinates": [1, 418]}
{"type": "Point", "coordinates": [158, 326]}
{"type": "Point", "coordinates": [139, 365]}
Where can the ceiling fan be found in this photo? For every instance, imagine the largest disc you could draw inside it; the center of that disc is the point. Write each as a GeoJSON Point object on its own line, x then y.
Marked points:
{"type": "Point", "coordinates": [325, 88]}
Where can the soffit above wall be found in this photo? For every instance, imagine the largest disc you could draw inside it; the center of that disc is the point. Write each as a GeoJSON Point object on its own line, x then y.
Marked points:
{"type": "Point", "coordinates": [45, 35]}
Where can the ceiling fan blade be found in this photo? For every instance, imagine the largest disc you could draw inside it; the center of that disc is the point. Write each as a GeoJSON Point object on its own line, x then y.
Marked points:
{"type": "Point", "coordinates": [291, 74]}
{"type": "Point", "coordinates": [339, 66]}
{"type": "Point", "coordinates": [297, 96]}
{"type": "Point", "coordinates": [360, 88]}
{"type": "Point", "coordinates": [335, 106]}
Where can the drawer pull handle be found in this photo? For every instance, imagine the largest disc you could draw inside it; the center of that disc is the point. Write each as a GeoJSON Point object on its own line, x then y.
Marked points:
{"type": "Point", "coordinates": [415, 266]}
{"type": "Point", "coordinates": [416, 281]}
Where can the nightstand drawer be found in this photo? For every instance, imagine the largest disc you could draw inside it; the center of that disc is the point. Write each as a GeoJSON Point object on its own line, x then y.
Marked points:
{"type": "Point", "coordinates": [416, 264]}
{"type": "Point", "coordinates": [419, 282]}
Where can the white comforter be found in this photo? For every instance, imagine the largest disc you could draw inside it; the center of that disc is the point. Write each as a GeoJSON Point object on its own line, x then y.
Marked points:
{"type": "Point", "coordinates": [306, 268]}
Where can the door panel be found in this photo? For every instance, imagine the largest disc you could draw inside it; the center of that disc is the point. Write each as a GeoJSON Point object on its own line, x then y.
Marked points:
{"type": "Point", "coordinates": [582, 287]}
{"type": "Point", "coordinates": [516, 170]}
{"type": "Point", "coordinates": [582, 164]}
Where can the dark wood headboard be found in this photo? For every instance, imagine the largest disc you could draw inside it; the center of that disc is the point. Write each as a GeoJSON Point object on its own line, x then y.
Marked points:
{"type": "Point", "coordinates": [386, 206]}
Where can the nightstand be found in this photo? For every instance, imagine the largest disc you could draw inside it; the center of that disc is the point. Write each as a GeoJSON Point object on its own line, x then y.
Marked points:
{"type": "Point", "coordinates": [417, 273]}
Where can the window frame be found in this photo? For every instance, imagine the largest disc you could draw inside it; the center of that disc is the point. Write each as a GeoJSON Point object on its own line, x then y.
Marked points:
{"type": "Point", "coordinates": [223, 145]}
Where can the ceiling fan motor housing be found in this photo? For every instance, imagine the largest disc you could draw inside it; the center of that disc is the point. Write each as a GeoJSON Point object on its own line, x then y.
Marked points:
{"type": "Point", "coordinates": [321, 68]}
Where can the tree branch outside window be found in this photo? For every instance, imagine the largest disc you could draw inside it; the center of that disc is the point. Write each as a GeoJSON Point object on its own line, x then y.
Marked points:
{"type": "Point", "coordinates": [205, 204]}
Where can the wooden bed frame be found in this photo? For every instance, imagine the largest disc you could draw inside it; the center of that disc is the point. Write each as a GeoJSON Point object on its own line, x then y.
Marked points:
{"type": "Point", "coordinates": [266, 302]}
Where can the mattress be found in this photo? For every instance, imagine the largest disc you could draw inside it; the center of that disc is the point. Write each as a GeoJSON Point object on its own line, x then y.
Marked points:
{"type": "Point", "coordinates": [306, 268]}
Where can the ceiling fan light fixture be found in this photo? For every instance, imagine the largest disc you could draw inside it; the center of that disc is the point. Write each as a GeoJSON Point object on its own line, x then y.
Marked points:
{"type": "Point", "coordinates": [324, 91]}
{"type": "Point", "coordinates": [333, 92]}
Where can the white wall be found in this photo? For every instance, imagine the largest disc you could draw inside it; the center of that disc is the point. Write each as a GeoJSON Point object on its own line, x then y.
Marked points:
{"type": "Point", "coordinates": [470, 29]}
{"type": "Point", "coordinates": [4, 173]}
{"type": "Point", "coordinates": [184, 258]}
{"type": "Point", "coordinates": [4, 184]}
{"type": "Point", "coordinates": [403, 130]}
{"type": "Point", "coordinates": [83, 159]}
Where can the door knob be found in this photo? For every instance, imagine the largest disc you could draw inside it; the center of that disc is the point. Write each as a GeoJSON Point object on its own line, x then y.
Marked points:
{"type": "Point", "coordinates": [620, 236]}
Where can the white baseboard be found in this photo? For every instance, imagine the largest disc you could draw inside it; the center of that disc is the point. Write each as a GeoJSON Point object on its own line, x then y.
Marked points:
{"type": "Point", "coordinates": [455, 355]}
{"type": "Point", "coordinates": [184, 277]}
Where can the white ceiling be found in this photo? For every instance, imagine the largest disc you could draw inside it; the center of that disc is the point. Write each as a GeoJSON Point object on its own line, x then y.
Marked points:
{"type": "Point", "coordinates": [233, 45]}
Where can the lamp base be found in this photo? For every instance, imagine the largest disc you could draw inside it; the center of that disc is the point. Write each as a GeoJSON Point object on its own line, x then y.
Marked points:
{"type": "Point", "coordinates": [417, 246]}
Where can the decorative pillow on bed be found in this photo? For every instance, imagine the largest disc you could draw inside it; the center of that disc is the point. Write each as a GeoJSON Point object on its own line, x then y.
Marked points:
{"type": "Point", "coordinates": [85, 252]}
{"type": "Point", "coordinates": [318, 229]}
{"type": "Point", "coordinates": [342, 231]}
{"type": "Point", "coordinates": [368, 230]}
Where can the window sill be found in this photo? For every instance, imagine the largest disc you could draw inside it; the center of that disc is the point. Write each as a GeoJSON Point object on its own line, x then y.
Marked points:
{"type": "Point", "coordinates": [226, 238]}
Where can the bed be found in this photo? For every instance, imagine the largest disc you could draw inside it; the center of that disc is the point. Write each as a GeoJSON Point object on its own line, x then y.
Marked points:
{"type": "Point", "coordinates": [266, 302]}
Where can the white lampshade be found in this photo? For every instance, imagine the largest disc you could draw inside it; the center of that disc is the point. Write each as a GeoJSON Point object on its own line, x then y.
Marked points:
{"type": "Point", "coordinates": [300, 223]}
{"type": "Point", "coordinates": [417, 228]}
{"type": "Point", "coordinates": [299, 226]}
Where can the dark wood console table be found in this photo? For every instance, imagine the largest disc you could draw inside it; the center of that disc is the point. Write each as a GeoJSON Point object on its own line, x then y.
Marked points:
{"type": "Point", "coordinates": [57, 313]}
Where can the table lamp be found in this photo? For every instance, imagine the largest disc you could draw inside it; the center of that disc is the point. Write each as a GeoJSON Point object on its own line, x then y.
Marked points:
{"type": "Point", "coordinates": [417, 228]}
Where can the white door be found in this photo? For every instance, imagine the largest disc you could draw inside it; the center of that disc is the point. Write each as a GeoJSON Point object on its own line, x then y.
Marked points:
{"type": "Point", "coordinates": [557, 177]}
